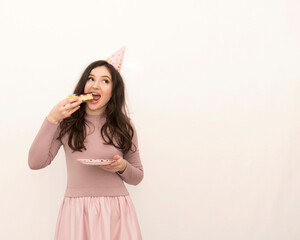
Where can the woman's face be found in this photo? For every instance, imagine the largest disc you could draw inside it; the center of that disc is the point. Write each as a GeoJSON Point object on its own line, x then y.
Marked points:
{"type": "Point", "coordinates": [99, 82]}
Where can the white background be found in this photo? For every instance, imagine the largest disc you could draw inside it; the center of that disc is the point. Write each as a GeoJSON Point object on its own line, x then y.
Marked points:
{"type": "Point", "coordinates": [212, 87]}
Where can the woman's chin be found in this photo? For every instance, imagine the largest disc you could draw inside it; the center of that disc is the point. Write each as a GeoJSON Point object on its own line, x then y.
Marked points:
{"type": "Point", "coordinates": [94, 108]}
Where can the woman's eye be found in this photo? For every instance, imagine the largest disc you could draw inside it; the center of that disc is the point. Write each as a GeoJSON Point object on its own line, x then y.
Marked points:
{"type": "Point", "coordinates": [106, 81]}
{"type": "Point", "coordinates": [90, 78]}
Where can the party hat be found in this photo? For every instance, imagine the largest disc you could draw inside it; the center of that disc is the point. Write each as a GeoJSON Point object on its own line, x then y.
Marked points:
{"type": "Point", "coordinates": [117, 59]}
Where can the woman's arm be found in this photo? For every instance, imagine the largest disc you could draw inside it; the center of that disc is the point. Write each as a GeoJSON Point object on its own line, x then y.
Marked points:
{"type": "Point", "coordinates": [45, 146]}
{"type": "Point", "coordinates": [133, 173]}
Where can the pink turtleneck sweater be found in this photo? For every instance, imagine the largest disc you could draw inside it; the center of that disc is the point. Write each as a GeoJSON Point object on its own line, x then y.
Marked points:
{"type": "Point", "coordinates": [86, 180]}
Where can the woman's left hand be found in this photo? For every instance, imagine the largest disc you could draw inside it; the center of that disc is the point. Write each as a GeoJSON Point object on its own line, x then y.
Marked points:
{"type": "Point", "coordinates": [117, 166]}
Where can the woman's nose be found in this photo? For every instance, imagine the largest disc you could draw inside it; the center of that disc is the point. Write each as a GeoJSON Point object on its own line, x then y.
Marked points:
{"type": "Point", "coordinates": [96, 84]}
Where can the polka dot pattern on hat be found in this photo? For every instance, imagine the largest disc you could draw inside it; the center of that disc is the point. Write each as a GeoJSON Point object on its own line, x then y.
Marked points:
{"type": "Point", "coordinates": [117, 59]}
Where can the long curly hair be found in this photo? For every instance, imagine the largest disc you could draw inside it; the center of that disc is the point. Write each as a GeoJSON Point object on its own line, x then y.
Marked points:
{"type": "Point", "coordinates": [116, 131]}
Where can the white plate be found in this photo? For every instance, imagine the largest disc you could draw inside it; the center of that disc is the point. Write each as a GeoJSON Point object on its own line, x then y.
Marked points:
{"type": "Point", "coordinates": [101, 161]}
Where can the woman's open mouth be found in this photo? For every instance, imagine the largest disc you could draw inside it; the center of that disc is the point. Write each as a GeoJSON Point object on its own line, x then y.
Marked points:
{"type": "Point", "coordinates": [96, 98]}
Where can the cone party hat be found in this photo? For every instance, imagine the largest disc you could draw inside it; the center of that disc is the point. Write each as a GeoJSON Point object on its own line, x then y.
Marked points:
{"type": "Point", "coordinates": [117, 59]}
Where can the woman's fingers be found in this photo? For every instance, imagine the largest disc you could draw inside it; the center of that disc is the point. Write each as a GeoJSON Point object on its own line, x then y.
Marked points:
{"type": "Point", "coordinates": [113, 167]}
{"type": "Point", "coordinates": [64, 109]}
{"type": "Point", "coordinates": [69, 106]}
{"type": "Point", "coordinates": [71, 103]}
{"type": "Point", "coordinates": [116, 163]}
{"type": "Point", "coordinates": [74, 110]}
{"type": "Point", "coordinates": [116, 157]}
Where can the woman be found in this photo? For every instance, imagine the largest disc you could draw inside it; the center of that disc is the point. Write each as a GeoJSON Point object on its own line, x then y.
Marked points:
{"type": "Point", "coordinates": [96, 204]}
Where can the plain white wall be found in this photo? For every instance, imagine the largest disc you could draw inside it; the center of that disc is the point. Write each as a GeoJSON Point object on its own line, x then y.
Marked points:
{"type": "Point", "coordinates": [212, 87]}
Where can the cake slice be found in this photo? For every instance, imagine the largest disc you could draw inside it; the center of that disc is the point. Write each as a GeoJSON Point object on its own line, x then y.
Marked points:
{"type": "Point", "coordinates": [83, 97]}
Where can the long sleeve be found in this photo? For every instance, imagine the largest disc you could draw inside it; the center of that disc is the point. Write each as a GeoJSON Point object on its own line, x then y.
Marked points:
{"type": "Point", "coordinates": [134, 172]}
{"type": "Point", "coordinates": [45, 146]}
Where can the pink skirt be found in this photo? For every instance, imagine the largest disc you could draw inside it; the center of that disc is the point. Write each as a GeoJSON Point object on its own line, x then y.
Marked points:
{"type": "Point", "coordinates": [97, 218]}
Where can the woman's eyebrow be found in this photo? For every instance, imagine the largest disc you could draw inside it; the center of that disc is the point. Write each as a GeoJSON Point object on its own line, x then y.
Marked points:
{"type": "Point", "coordinates": [101, 76]}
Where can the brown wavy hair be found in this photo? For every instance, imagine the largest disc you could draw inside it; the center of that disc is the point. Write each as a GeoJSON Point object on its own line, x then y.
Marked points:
{"type": "Point", "coordinates": [116, 131]}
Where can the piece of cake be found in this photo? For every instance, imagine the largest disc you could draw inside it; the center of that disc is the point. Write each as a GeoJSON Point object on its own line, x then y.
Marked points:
{"type": "Point", "coordinates": [83, 97]}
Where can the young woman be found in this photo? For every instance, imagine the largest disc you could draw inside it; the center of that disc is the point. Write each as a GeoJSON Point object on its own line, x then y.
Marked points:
{"type": "Point", "coordinates": [96, 204]}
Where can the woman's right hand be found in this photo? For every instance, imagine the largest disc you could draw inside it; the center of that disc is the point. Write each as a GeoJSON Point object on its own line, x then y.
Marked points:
{"type": "Point", "coordinates": [64, 109]}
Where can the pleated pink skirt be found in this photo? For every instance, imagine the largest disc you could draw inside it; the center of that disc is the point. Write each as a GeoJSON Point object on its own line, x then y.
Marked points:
{"type": "Point", "coordinates": [97, 218]}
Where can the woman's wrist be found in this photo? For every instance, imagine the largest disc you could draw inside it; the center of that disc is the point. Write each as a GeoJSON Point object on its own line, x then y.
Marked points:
{"type": "Point", "coordinates": [51, 119]}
